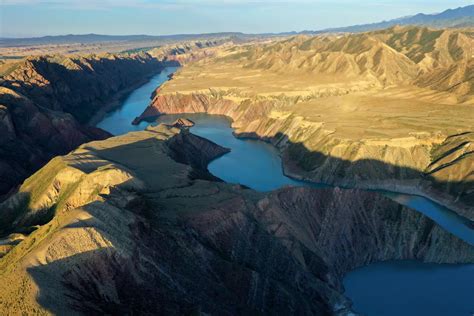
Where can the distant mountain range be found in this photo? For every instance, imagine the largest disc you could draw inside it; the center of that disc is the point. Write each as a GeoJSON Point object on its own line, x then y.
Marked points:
{"type": "Point", "coordinates": [98, 38]}
{"type": "Point", "coordinates": [460, 17]}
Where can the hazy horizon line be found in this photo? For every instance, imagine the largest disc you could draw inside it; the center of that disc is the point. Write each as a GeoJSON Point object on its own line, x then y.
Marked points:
{"type": "Point", "coordinates": [321, 28]}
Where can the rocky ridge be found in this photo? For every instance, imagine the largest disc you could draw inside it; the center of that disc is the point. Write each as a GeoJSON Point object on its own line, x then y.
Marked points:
{"type": "Point", "coordinates": [142, 206]}
{"type": "Point", "coordinates": [435, 59]}
{"type": "Point", "coordinates": [186, 52]}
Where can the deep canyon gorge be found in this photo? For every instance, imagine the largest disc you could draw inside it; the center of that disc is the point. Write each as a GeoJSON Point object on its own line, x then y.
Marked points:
{"type": "Point", "coordinates": [147, 222]}
{"type": "Point", "coordinates": [357, 123]}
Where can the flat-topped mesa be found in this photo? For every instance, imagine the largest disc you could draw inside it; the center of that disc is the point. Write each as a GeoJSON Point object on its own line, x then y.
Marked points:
{"type": "Point", "coordinates": [140, 208]}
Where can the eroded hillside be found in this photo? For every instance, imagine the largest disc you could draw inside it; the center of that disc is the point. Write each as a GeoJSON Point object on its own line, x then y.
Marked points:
{"type": "Point", "coordinates": [46, 102]}
{"type": "Point", "coordinates": [135, 224]}
{"type": "Point", "coordinates": [374, 110]}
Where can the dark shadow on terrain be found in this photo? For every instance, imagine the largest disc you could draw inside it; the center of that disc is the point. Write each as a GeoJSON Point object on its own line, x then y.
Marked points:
{"type": "Point", "coordinates": [318, 167]}
{"type": "Point", "coordinates": [13, 220]}
{"type": "Point", "coordinates": [178, 270]}
{"type": "Point", "coordinates": [185, 148]}
{"type": "Point", "coordinates": [215, 258]}
{"type": "Point", "coordinates": [197, 152]}
{"type": "Point", "coordinates": [80, 89]}
{"type": "Point", "coordinates": [100, 282]}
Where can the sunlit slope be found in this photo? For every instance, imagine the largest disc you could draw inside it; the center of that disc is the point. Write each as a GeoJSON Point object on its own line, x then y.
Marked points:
{"type": "Point", "coordinates": [399, 55]}
{"type": "Point", "coordinates": [372, 109]}
{"type": "Point", "coordinates": [136, 225]}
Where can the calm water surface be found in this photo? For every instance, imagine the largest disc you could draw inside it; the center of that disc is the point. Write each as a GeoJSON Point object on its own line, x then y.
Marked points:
{"type": "Point", "coordinates": [383, 289]}
{"type": "Point", "coordinates": [253, 163]}
{"type": "Point", "coordinates": [410, 288]}
{"type": "Point", "coordinates": [120, 120]}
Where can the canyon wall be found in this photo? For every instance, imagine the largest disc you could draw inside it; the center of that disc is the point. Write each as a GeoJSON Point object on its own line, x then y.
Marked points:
{"type": "Point", "coordinates": [438, 166]}
{"type": "Point", "coordinates": [46, 103]}
{"type": "Point", "coordinates": [391, 109]}
{"type": "Point", "coordinates": [138, 225]}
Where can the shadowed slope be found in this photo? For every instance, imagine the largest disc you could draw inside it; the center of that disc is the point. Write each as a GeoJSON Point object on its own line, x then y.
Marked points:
{"type": "Point", "coordinates": [45, 103]}
{"type": "Point", "coordinates": [374, 110]}
{"type": "Point", "coordinates": [135, 231]}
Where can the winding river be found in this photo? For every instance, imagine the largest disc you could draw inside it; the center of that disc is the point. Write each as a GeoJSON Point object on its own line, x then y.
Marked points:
{"type": "Point", "coordinates": [382, 289]}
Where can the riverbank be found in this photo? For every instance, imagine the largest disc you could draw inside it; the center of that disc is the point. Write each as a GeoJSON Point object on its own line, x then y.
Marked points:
{"type": "Point", "coordinates": [374, 162]}
{"type": "Point", "coordinates": [410, 187]}
{"type": "Point", "coordinates": [219, 130]}
{"type": "Point", "coordinates": [338, 122]}
{"type": "Point", "coordinates": [117, 121]}
{"type": "Point", "coordinates": [249, 154]}
{"type": "Point", "coordinates": [47, 102]}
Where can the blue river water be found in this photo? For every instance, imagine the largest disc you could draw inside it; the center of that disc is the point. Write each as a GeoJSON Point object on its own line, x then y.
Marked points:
{"type": "Point", "coordinates": [383, 289]}
{"type": "Point", "coordinates": [119, 121]}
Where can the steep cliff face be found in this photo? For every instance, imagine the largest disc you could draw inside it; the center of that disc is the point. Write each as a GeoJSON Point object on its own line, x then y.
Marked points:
{"type": "Point", "coordinates": [45, 103]}
{"type": "Point", "coordinates": [79, 86]}
{"type": "Point", "coordinates": [437, 165]}
{"type": "Point", "coordinates": [134, 230]}
{"type": "Point", "coordinates": [391, 109]}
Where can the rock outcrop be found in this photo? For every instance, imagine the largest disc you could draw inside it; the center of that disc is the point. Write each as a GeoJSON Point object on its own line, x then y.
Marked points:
{"type": "Point", "coordinates": [82, 85]}
{"type": "Point", "coordinates": [136, 225]}
{"type": "Point", "coordinates": [183, 123]}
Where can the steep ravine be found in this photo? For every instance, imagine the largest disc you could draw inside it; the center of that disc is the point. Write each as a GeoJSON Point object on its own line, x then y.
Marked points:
{"type": "Point", "coordinates": [434, 165]}
{"type": "Point", "coordinates": [140, 226]}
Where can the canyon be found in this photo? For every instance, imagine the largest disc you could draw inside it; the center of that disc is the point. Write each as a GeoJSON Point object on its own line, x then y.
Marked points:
{"type": "Point", "coordinates": [46, 102]}
{"type": "Point", "coordinates": [49, 104]}
{"type": "Point", "coordinates": [140, 222]}
{"type": "Point", "coordinates": [142, 206]}
{"type": "Point", "coordinates": [390, 109]}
